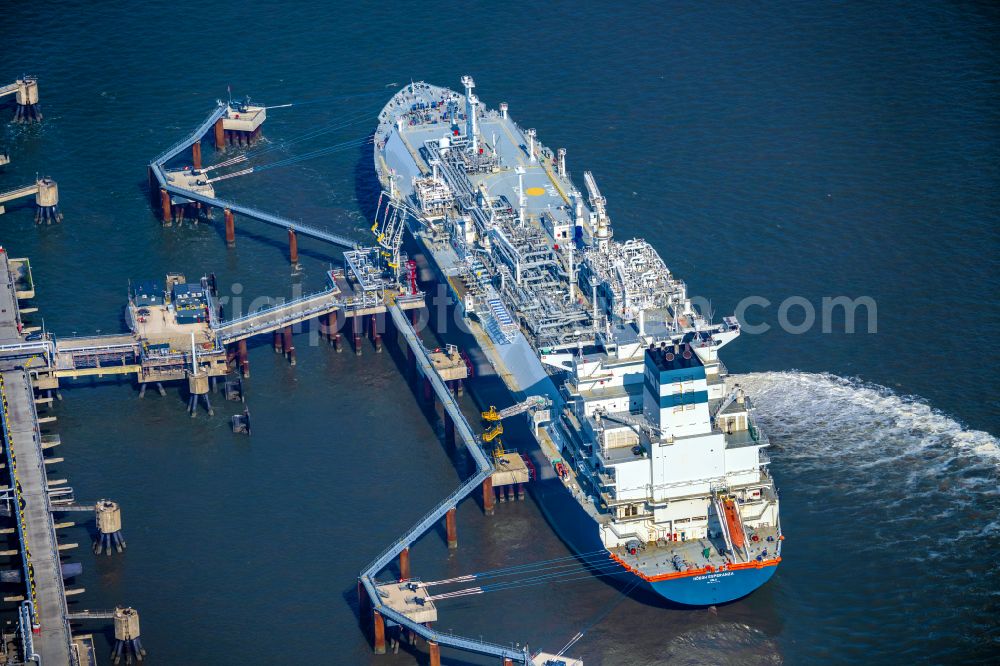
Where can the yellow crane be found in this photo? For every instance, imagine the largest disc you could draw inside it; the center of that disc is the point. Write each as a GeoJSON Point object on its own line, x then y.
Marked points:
{"type": "Point", "coordinates": [493, 417]}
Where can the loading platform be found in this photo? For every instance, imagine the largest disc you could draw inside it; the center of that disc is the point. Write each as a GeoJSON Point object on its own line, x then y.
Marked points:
{"type": "Point", "coordinates": [49, 630]}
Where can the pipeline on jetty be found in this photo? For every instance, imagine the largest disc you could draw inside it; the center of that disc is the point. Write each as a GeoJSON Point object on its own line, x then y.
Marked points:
{"type": "Point", "coordinates": [31, 499]}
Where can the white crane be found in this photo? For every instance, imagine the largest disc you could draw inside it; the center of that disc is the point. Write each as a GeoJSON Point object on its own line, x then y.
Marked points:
{"type": "Point", "coordinates": [599, 204]}
{"type": "Point", "coordinates": [388, 228]}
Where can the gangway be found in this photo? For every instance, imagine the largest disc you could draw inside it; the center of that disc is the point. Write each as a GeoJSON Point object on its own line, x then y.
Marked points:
{"type": "Point", "coordinates": [278, 316]}
{"type": "Point", "coordinates": [484, 470]}
{"type": "Point", "coordinates": [17, 193]}
{"type": "Point", "coordinates": [157, 168]}
{"type": "Point", "coordinates": [533, 402]}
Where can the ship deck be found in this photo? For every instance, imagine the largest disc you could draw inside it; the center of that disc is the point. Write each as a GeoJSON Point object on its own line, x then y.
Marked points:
{"type": "Point", "coordinates": [545, 190]}
{"type": "Point", "coordinates": [657, 558]}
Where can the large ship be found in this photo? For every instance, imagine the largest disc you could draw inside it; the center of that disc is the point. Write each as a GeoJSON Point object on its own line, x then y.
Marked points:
{"type": "Point", "coordinates": [650, 458]}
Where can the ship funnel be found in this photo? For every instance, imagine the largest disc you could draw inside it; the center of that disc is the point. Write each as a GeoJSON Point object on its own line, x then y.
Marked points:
{"type": "Point", "coordinates": [503, 110]}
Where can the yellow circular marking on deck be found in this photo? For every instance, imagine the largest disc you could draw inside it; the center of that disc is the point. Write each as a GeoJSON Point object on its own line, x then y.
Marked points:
{"type": "Point", "coordinates": [535, 191]}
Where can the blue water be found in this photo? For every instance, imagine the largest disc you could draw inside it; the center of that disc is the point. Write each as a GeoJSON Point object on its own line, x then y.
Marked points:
{"type": "Point", "coordinates": [785, 150]}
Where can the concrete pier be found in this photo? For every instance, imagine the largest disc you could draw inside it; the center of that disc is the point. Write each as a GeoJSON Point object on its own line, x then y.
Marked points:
{"type": "Point", "coordinates": [51, 636]}
{"type": "Point", "coordinates": [46, 193]}
{"type": "Point", "coordinates": [25, 91]}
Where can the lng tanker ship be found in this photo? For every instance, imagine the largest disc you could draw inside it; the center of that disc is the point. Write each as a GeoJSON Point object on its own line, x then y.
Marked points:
{"type": "Point", "coordinates": [649, 455]}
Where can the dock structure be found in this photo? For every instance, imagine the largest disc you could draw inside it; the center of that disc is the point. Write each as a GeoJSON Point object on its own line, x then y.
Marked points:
{"type": "Point", "coordinates": [233, 132]}
{"type": "Point", "coordinates": [185, 340]}
{"type": "Point", "coordinates": [45, 593]}
{"type": "Point", "coordinates": [43, 628]}
{"type": "Point", "coordinates": [46, 193]}
{"type": "Point", "coordinates": [25, 91]}
{"type": "Point", "coordinates": [358, 294]}
{"type": "Point", "coordinates": [388, 602]}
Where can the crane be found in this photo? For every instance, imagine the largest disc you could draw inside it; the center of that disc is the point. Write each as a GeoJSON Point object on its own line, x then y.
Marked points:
{"type": "Point", "coordinates": [494, 417]}
{"type": "Point", "coordinates": [388, 228]}
{"type": "Point", "coordinates": [532, 402]}
{"type": "Point", "coordinates": [599, 204]}
{"type": "Point", "coordinates": [636, 424]}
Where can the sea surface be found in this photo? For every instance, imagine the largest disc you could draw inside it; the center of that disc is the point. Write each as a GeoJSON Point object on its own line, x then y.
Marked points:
{"type": "Point", "coordinates": [788, 149]}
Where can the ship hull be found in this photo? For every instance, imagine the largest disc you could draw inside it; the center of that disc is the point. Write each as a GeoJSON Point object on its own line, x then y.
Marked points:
{"type": "Point", "coordinates": [578, 529]}
{"type": "Point", "coordinates": [568, 518]}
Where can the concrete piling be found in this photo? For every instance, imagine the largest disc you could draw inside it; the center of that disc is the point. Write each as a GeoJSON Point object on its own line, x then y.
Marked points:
{"type": "Point", "coordinates": [220, 137]}
{"type": "Point", "coordinates": [289, 346]}
{"type": "Point", "coordinates": [109, 527]}
{"type": "Point", "coordinates": [199, 388]}
{"type": "Point", "coordinates": [434, 652]}
{"type": "Point", "coordinates": [488, 497]}
{"type": "Point", "coordinates": [378, 632]}
{"type": "Point", "coordinates": [376, 335]}
{"type": "Point", "coordinates": [520, 492]}
{"type": "Point", "coordinates": [451, 528]}
{"type": "Point", "coordinates": [279, 346]}
{"type": "Point", "coordinates": [449, 431]}
{"type": "Point", "coordinates": [230, 228]}
{"type": "Point", "coordinates": [244, 361]}
{"type": "Point", "coordinates": [428, 392]}
{"type": "Point", "coordinates": [166, 213]}
{"type": "Point", "coordinates": [196, 154]}
{"type": "Point", "coordinates": [411, 364]}
{"type": "Point", "coordinates": [356, 327]}
{"type": "Point", "coordinates": [47, 201]}
{"type": "Point", "coordinates": [293, 249]}
{"type": "Point", "coordinates": [127, 642]}
{"type": "Point", "coordinates": [27, 109]}
{"type": "Point", "coordinates": [404, 564]}
{"type": "Point", "coordinates": [333, 330]}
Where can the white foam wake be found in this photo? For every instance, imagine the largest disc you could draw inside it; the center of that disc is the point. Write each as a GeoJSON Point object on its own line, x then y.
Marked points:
{"type": "Point", "coordinates": [865, 419]}
{"type": "Point", "coordinates": [862, 446]}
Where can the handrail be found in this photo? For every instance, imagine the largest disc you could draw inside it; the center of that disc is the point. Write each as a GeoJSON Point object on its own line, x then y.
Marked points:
{"type": "Point", "coordinates": [424, 523]}
{"type": "Point", "coordinates": [459, 642]}
{"type": "Point", "coordinates": [263, 216]}
{"type": "Point", "coordinates": [199, 132]}
{"type": "Point", "coordinates": [273, 308]}
{"type": "Point", "coordinates": [18, 192]}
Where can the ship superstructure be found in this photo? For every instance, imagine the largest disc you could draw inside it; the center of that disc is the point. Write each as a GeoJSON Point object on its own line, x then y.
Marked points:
{"type": "Point", "coordinates": [653, 455]}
